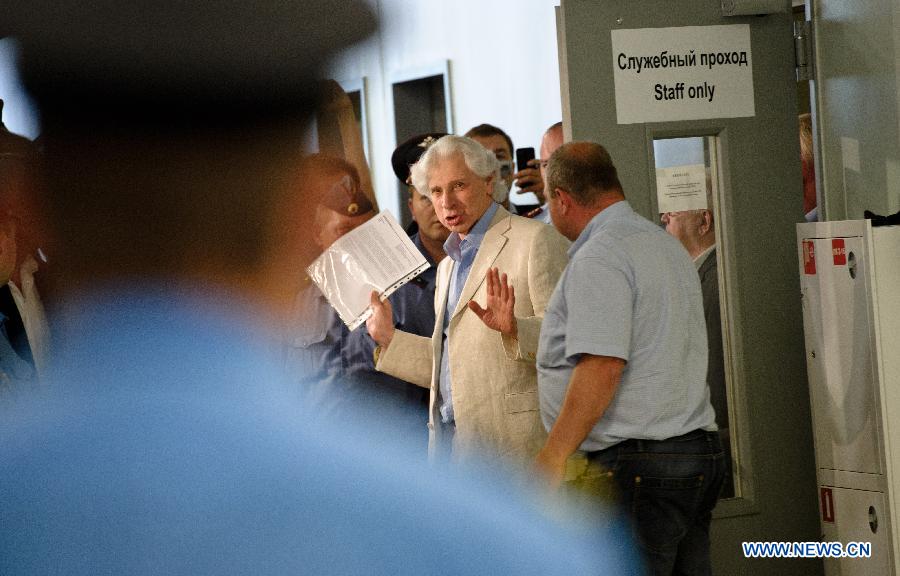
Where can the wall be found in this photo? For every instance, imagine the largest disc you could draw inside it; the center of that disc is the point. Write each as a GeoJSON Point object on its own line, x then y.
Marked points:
{"type": "Point", "coordinates": [857, 105]}
{"type": "Point", "coordinates": [503, 70]}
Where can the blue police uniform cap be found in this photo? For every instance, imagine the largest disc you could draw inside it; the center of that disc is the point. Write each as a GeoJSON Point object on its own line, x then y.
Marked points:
{"type": "Point", "coordinates": [171, 64]}
{"type": "Point", "coordinates": [409, 152]}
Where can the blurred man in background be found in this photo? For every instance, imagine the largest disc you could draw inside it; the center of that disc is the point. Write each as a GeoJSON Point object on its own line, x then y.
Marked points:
{"type": "Point", "coordinates": [333, 365]}
{"type": "Point", "coordinates": [318, 345]}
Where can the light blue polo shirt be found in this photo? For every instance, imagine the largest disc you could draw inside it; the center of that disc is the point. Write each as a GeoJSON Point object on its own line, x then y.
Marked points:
{"type": "Point", "coordinates": [630, 291]}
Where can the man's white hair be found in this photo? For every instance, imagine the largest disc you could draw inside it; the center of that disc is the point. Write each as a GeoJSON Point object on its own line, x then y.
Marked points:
{"type": "Point", "coordinates": [478, 159]}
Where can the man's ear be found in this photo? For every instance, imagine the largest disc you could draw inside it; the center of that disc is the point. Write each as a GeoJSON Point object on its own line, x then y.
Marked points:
{"type": "Point", "coordinates": [565, 199]}
{"type": "Point", "coordinates": [706, 225]}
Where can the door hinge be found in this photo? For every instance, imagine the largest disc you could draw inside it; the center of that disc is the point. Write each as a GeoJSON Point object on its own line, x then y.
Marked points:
{"type": "Point", "coordinates": [803, 51]}
{"type": "Point", "coordinates": [755, 7]}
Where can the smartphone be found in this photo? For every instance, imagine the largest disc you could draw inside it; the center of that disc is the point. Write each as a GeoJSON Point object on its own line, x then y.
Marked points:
{"type": "Point", "coordinates": [523, 155]}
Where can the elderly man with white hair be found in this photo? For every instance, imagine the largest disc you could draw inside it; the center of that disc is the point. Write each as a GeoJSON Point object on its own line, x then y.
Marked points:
{"type": "Point", "coordinates": [481, 375]}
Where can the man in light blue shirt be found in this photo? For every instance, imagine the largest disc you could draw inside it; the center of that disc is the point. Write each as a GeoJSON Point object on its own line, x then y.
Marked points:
{"type": "Point", "coordinates": [622, 363]}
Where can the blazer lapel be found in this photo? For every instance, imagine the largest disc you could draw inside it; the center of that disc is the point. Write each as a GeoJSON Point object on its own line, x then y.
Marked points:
{"type": "Point", "coordinates": [491, 245]}
{"type": "Point", "coordinates": [442, 286]}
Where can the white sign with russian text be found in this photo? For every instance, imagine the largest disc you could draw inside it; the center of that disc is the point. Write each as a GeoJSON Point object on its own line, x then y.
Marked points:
{"type": "Point", "coordinates": [685, 73]}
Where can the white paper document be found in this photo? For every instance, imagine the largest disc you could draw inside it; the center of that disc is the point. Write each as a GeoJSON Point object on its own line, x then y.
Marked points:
{"type": "Point", "coordinates": [681, 188]}
{"type": "Point", "coordinates": [377, 255]}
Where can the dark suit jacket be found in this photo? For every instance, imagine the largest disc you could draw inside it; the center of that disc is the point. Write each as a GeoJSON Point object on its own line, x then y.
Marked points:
{"type": "Point", "coordinates": [715, 375]}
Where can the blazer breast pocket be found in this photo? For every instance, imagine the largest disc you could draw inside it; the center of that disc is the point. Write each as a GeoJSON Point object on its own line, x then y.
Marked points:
{"type": "Point", "coordinates": [522, 402]}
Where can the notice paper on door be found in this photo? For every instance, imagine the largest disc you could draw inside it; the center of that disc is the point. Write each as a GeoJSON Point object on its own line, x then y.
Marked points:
{"type": "Point", "coordinates": [377, 255]}
{"type": "Point", "coordinates": [681, 188]}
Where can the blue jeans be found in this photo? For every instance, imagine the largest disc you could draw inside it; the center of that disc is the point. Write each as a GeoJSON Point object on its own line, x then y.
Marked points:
{"type": "Point", "coordinates": [668, 489]}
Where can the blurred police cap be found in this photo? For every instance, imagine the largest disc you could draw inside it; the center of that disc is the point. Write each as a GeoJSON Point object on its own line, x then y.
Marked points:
{"type": "Point", "coordinates": [178, 63]}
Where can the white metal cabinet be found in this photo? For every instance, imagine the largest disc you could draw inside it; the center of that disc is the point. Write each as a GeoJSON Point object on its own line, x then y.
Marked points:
{"type": "Point", "coordinates": [850, 284]}
{"type": "Point", "coordinates": [861, 513]}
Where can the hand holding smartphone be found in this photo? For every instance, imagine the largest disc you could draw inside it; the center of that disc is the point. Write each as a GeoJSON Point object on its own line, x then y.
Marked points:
{"type": "Point", "coordinates": [528, 177]}
{"type": "Point", "coordinates": [523, 155]}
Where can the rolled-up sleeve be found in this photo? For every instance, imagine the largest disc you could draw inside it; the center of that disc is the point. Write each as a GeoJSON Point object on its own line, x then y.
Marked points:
{"type": "Point", "coordinates": [600, 301]}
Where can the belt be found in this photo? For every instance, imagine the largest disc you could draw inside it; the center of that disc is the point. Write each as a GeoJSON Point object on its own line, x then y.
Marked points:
{"type": "Point", "coordinates": [640, 445]}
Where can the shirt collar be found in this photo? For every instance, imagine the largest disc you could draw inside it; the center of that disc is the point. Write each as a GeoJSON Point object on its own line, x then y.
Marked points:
{"type": "Point", "coordinates": [619, 209]}
{"type": "Point", "coordinates": [453, 245]}
{"type": "Point", "coordinates": [417, 241]}
{"type": "Point", "coordinates": [701, 257]}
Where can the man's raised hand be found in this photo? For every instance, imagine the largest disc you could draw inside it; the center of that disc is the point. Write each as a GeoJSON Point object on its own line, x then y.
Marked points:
{"type": "Point", "coordinates": [501, 304]}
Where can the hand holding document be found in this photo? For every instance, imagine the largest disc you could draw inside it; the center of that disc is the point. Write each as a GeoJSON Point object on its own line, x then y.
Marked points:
{"type": "Point", "coordinates": [377, 255]}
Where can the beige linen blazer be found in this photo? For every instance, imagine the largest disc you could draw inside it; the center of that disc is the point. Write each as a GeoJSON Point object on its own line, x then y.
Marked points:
{"type": "Point", "coordinates": [495, 398]}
